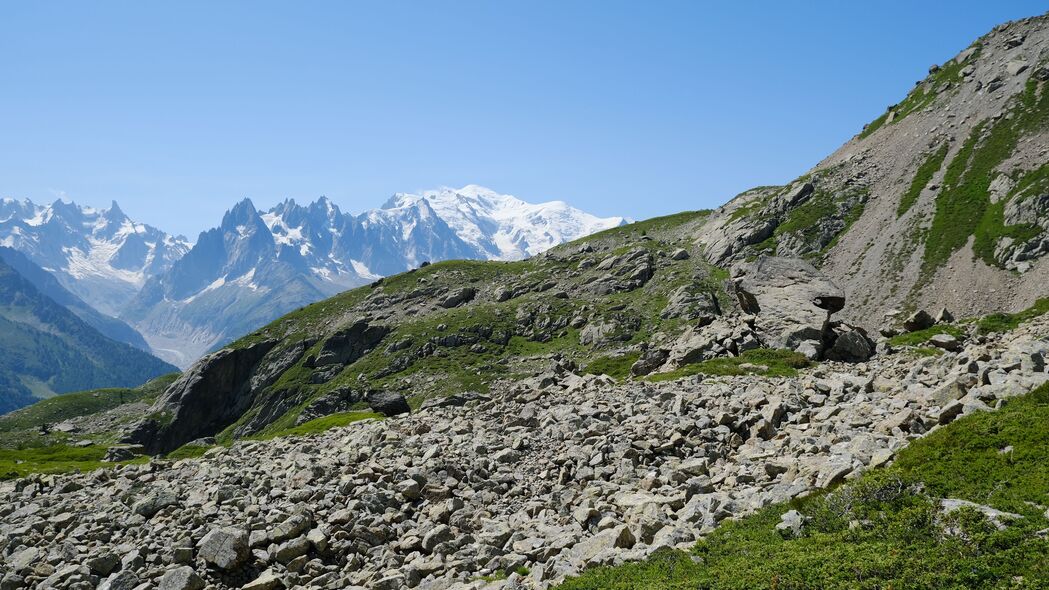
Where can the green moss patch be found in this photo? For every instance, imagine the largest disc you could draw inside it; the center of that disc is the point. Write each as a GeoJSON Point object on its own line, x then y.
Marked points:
{"type": "Point", "coordinates": [54, 459]}
{"type": "Point", "coordinates": [922, 336]}
{"type": "Point", "coordinates": [762, 361]}
{"type": "Point", "coordinates": [617, 367]}
{"type": "Point", "coordinates": [932, 164]}
{"type": "Point", "coordinates": [1005, 322]}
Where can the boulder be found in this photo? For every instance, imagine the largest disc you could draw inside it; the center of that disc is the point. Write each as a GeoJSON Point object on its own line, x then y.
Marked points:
{"type": "Point", "coordinates": [154, 501]}
{"type": "Point", "coordinates": [349, 344]}
{"type": "Point", "coordinates": [690, 302]}
{"type": "Point", "coordinates": [946, 342]}
{"type": "Point", "coordinates": [458, 297]}
{"type": "Point", "coordinates": [122, 580]}
{"type": "Point", "coordinates": [117, 454]}
{"type": "Point", "coordinates": [181, 578]}
{"type": "Point", "coordinates": [919, 320]}
{"type": "Point", "coordinates": [792, 300]}
{"type": "Point", "coordinates": [388, 403]}
{"type": "Point", "coordinates": [852, 346]}
{"type": "Point", "coordinates": [650, 360]}
{"type": "Point", "coordinates": [790, 524]}
{"type": "Point", "coordinates": [268, 580]}
{"type": "Point", "coordinates": [224, 548]}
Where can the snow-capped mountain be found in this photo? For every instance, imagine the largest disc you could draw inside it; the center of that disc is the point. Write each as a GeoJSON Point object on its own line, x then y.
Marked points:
{"type": "Point", "coordinates": [100, 255]}
{"type": "Point", "coordinates": [258, 265]}
{"type": "Point", "coordinates": [503, 227]}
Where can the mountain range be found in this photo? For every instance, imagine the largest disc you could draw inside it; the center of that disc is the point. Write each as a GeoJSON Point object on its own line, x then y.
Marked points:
{"type": "Point", "coordinates": [840, 382]}
{"type": "Point", "coordinates": [48, 349]}
{"type": "Point", "coordinates": [184, 298]}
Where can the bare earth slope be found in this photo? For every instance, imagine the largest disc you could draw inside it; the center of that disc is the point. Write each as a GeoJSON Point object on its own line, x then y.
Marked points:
{"type": "Point", "coordinates": [941, 201]}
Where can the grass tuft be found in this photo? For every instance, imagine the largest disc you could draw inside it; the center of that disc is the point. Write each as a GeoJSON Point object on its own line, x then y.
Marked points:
{"type": "Point", "coordinates": [764, 361]}
{"type": "Point", "coordinates": [922, 336]}
{"type": "Point", "coordinates": [1006, 322]}
{"type": "Point", "coordinates": [929, 167]}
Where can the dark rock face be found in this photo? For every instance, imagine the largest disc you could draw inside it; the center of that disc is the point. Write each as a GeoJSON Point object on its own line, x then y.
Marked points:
{"type": "Point", "coordinates": [334, 402]}
{"type": "Point", "coordinates": [349, 344]}
{"type": "Point", "coordinates": [792, 300]}
{"type": "Point", "coordinates": [852, 346]}
{"type": "Point", "coordinates": [918, 320]}
{"type": "Point", "coordinates": [211, 395]}
{"type": "Point", "coordinates": [459, 297]}
{"type": "Point", "coordinates": [388, 403]}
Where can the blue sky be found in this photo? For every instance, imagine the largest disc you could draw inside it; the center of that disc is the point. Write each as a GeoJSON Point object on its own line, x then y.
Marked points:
{"type": "Point", "coordinates": [179, 109]}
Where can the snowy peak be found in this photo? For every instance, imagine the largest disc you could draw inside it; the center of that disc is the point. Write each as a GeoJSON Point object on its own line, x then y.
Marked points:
{"type": "Point", "coordinates": [100, 255]}
{"type": "Point", "coordinates": [504, 227]}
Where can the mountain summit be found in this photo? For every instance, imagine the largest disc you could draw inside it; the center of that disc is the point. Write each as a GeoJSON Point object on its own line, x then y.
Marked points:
{"type": "Point", "coordinates": [100, 255]}
{"type": "Point", "coordinates": [257, 265]}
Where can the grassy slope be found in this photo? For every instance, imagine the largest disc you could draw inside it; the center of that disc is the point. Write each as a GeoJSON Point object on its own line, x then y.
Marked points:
{"type": "Point", "coordinates": [883, 531]}
{"type": "Point", "coordinates": [54, 410]}
{"type": "Point", "coordinates": [24, 450]}
{"type": "Point", "coordinates": [453, 369]}
{"type": "Point", "coordinates": [963, 207]}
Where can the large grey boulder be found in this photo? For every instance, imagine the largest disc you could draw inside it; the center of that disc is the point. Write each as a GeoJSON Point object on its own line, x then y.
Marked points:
{"type": "Point", "coordinates": [154, 501]}
{"type": "Point", "coordinates": [224, 548]}
{"type": "Point", "coordinates": [458, 297]}
{"type": "Point", "coordinates": [852, 346]}
{"type": "Point", "coordinates": [792, 300]}
{"type": "Point", "coordinates": [919, 320]}
{"type": "Point", "coordinates": [181, 578]}
{"type": "Point", "coordinates": [388, 403]}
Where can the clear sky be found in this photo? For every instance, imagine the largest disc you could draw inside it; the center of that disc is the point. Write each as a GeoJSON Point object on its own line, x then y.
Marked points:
{"type": "Point", "coordinates": [178, 109]}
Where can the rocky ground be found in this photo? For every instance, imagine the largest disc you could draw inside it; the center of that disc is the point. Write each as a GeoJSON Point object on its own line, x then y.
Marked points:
{"type": "Point", "coordinates": [519, 488]}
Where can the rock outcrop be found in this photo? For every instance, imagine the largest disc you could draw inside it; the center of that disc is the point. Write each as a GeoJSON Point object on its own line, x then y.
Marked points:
{"type": "Point", "coordinates": [207, 398]}
{"type": "Point", "coordinates": [791, 300]}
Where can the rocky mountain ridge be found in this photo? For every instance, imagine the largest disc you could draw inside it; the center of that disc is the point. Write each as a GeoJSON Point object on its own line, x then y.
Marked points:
{"type": "Point", "coordinates": [939, 202]}
{"type": "Point", "coordinates": [100, 255]}
{"type": "Point", "coordinates": [257, 265]}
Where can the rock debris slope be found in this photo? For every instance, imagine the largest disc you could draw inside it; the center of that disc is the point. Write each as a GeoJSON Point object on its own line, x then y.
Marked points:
{"type": "Point", "coordinates": [536, 480]}
{"type": "Point", "coordinates": [941, 201]}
